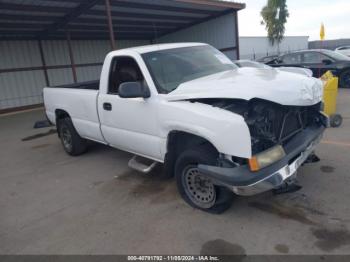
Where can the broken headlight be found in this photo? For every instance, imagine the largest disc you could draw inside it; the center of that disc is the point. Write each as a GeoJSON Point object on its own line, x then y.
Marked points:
{"type": "Point", "coordinates": [266, 158]}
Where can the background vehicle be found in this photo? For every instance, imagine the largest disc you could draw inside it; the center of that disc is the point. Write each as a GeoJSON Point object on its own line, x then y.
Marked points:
{"type": "Point", "coordinates": [253, 64]}
{"type": "Point", "coordinates": [344, 50]}
{"type": "Point", "coordinates": [267, 59]}
{"type": "Point", "coordinates": [319, 61]}
{"type": "Point", "coordinates": [215, 127]}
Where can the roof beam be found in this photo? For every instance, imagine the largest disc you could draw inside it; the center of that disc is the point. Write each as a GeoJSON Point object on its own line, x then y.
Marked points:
{"type": "Point", "coordinates": [215, 3]}
{"type": "Point", "coordinates": [15, 17]}
{"type": "Point", "coordinates": [23, 26]}
{"type": "Point", "coordinates": [129, 21]}
{"type": "Point", "coordinates": [63, 37]}
{"type": "Point", "coordinates": [71, 15]}
{"type": "Point", "coordinates": [116, 28]}
{"type": "Point", "coordinates": [87, 28]}
{"type": "Point", "coordinates": [11, 32]}
{"type": "Point", "coordinates": [104, 35]}
{"type": "Point", "coordinates": [145, 6]}
{"type": "Point", "coordinates": [73, 33]}
{"type": "Point", "coordinates": [140, 26]}
{"type": "Point", "coordinates": [93, 34]}
{"type": "Point", "coordinates": [140, 15]}
{"type": "Point", "coordinates": [14, 38]}
{"type": "Point", "coordinates": [34, 8]}
{"type": "Point", "coordinates": [67, 1]}
{"type": "Point", "coordinates": [102, 20]}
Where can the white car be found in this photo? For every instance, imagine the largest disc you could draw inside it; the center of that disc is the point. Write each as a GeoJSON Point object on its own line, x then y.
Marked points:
{"type": "Point", "coordinates": [345, 50]}
{"type": "Point", "coordinates": [217, 128]}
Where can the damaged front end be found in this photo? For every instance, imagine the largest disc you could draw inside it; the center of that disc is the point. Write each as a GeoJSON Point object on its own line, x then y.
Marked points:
{"type": "Point", "coordinates": [282, 138]}
{"type": "Point", "coordinates": [271, 124]}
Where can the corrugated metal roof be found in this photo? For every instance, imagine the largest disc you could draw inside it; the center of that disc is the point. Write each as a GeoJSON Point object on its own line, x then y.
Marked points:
{"type": "Point", "coordinates": [57, 3]}
{"type": "Point", "coordinates": [86, 19]}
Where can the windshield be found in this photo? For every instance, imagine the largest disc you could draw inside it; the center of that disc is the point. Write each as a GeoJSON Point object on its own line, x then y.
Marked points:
{"type": "Point", "coordinates": [335, 55]}
{"type": "Point", "coordinates": [170, 68]}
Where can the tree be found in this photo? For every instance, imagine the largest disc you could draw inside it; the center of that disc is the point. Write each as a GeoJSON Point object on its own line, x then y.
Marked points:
{"type": "Point", "coordinates": [275, 15]}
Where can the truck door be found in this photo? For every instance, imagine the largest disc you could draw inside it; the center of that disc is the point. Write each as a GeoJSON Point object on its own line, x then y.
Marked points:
{"type": "Point", "coordinates": [128, 123]}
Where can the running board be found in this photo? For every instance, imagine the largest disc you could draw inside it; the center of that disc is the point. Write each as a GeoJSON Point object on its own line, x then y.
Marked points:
{"type": "Point", "coordinates": [141, 164]}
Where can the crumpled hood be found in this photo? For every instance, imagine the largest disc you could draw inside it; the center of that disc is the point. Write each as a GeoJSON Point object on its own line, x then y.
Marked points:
{"type": "Point", "coordinates": [247, 83]}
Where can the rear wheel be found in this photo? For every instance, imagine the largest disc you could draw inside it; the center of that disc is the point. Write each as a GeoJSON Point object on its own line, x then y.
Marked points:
{"type": "Point", "coordinates": [72, 143]}
{"type": "Point", "coordinates": [336, 120]}
{"type": "Point", "coordinates": [344, 79]}
{"type": "Point", "coordinates": [196, 189]}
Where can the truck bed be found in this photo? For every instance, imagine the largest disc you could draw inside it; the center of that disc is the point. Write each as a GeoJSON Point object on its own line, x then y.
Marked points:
{"type": "Point", "coordinates": [80, 102]}
{"type": "Point", "coordinates": [89, 85]}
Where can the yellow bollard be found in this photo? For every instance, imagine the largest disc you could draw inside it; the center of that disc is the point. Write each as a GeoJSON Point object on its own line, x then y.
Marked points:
{"type": "Point", "coordinates": [330, 98]}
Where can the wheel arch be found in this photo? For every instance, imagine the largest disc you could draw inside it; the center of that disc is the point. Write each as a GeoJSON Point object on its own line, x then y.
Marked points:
{"type": "Point", "coordinates": [60, 114]}
{"type": "Point", "coordinates": [177, 142]}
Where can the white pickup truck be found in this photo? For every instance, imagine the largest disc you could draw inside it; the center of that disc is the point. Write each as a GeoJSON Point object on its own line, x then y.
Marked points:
{"type": "Point", "coordinates": [217, 128]}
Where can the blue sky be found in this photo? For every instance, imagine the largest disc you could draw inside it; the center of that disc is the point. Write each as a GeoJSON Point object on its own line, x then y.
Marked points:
{"type": "Point", "coordinates": [305, 18]}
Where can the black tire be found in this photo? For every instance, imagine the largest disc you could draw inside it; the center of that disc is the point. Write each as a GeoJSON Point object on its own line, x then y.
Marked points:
{"type": "Point", "coordinates": [213, 199]}
{"type": "Point", "coordinates": [336, 120]}
{"type": "Point", "coordinates": [72, 143]}
{"type": "Point", "coordinates": [344, 79]}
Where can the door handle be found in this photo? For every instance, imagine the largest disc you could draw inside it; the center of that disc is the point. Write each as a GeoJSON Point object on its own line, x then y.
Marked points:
{"type": "Point", "coordinates": [107, 106]}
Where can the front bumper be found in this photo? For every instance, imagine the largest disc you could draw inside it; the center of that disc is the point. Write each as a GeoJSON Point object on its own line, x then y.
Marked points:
{"type": "Point", "coordinates": [242, 181]}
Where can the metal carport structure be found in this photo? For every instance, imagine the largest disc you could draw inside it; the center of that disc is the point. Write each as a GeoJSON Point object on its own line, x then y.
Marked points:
{"type": "Point", "coordinates": [41, 22]}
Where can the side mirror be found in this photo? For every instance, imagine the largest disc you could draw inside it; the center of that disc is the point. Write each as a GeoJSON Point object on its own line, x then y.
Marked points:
{"type": "Point", "coordinates": [133, 90]}
{"type": "Point", "coordinates": [327, 61]}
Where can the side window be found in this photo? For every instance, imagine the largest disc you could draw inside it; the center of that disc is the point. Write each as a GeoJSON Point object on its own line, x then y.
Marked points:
{"type": "Point", "coordinates": [123, 69]}
{"type": "Point", "coordinates": [291, 59]}
{"type": "Point", "coordinates": [314, 58]}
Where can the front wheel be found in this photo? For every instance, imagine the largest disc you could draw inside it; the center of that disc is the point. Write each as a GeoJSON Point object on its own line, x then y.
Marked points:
{"type": "Point", "coordinates": [196, 189]}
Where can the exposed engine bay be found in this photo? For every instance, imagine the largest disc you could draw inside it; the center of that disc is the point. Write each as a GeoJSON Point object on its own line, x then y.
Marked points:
{"type": "Point", "coordinates": [270, 123]}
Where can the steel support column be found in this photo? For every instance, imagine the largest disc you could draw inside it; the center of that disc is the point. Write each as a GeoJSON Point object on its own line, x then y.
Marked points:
{"type": "Point", "coordinates": [71, 56]}
{"type": "Point", "coordinates": [237, 34]}
{"type": "Point", "coordinates": [110, 24]}
{"type": "Point", "coordinates": [43, 62]}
